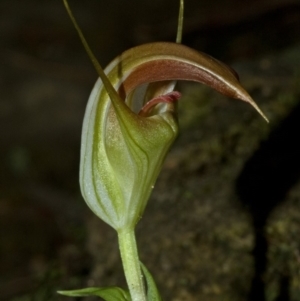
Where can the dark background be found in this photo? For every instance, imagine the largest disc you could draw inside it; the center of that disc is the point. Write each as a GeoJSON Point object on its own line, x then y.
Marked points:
{"type": "Point", "coordinates": [248, 171]}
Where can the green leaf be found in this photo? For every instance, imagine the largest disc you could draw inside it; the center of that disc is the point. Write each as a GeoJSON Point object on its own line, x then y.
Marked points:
{"type": "Point", "coordinates": [107, 293]}
{"type": "Point", "coordinates": [152, 291]}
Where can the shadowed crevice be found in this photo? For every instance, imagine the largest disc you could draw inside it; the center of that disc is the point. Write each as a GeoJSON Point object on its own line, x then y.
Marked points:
{"type": "Point", "coordinates": [263, 184]}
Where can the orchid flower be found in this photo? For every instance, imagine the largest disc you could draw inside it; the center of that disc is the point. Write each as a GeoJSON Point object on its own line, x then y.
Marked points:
{"type": "Point", "coordinates": [129, 126]}
{"type": "Point", "coordinates": [126, 137]}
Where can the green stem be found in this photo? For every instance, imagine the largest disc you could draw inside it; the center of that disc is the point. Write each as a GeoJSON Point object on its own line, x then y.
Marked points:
{"type": "Point", "coordinates": [131, 264]}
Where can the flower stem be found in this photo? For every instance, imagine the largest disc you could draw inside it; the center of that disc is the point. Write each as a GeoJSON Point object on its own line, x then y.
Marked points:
{"type": "Point", "coordinates": [131, 264]}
